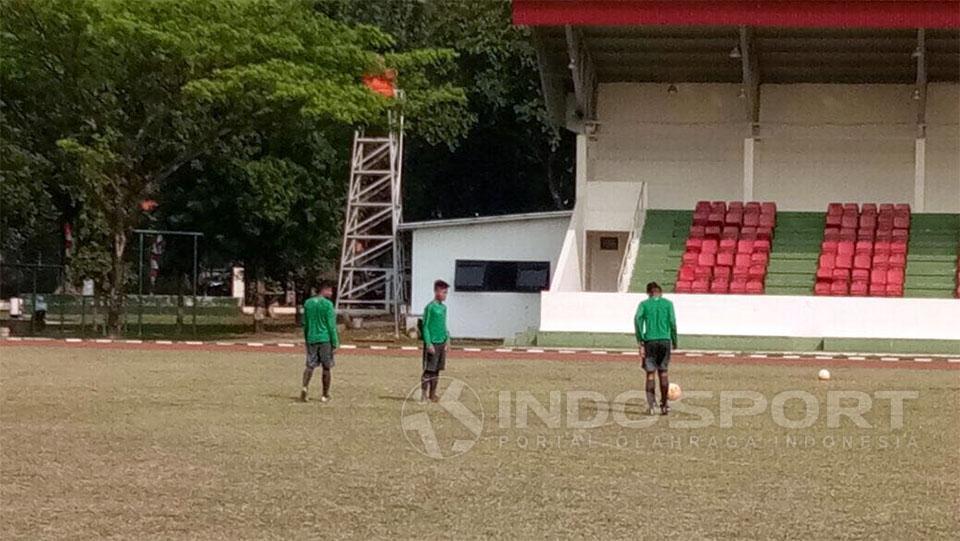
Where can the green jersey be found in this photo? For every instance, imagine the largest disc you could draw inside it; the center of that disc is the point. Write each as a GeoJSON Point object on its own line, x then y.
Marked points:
{"type": "Point", "coordinates": [655, 320]}
{"type": "Point", "coordinates": [320, 322]}
{"type": "Point", "coordinates": [435, 323]}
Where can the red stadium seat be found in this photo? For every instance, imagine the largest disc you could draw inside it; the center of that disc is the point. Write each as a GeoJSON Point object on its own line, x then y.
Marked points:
{"type": "Point", "coordinates": [741, 273]}
{"type": "Point", "coordinates": [878, 290]}
{"type": "Point", "coordinates": [761, 245]}
{"type": "Point", "coordinates": [841, 274]}
{"type": "Point", "coordinates": [848, 221]}
{"type": "Point", "coordinates": [734, 217]}
{"type": "Point", "coordinates": [897, 260]}
{"type": "Point", "coordinates": [869, 209]}
{"type": "Point", "coordinates": [822, 287]}
{"type": "Point", "coordinates": [719, 286]}
{"type": "Point", "coordinates": [722, 272]}
{"type": "Point", "coordinates": [898, 247]}
{"type": "Point", "coordinates": [829, 246]}
{"type": "Point", "coordinates": [831, 233]}
{"type": "Point", "coordinates": [748, 233]}
{"type": "Point", "coordinates": [700, 286]}
{"type": "Point", "coordinates": [848, 234]}
{"type": "Point", "coordinates": [745, 246]}
{"type": "Point", "coordinates": [834, 220]}
{"type": "Point", "coordinates": [894, 290]}
{"type": "Point", "coordinates": [845, 247]}
{"type": "Point", "coordinates": [702, 273]}
{"type": "Point", "coordinates": [755, 287]}
{"type": "Point", "coordinates": [742, 260]}
{"type": "Point", "coordinates": [686, 273]}
{"type": "Point", "coordinates": [757, 272]}
{"type": "Point", "coordinates": [698, 232]}
{"type": "Point", "coordinates": [894, 276]}
{"type": "Point", "coordinates": [768, 207]}
{"type": "Point", "coordinates": [767, 220]}
{"type": "Point", "coordinates": [868, 221]}
{"type": "Point", "coordinates": [715, 218]}
{"type": "Point", "coordinates": [834, 209]}
{"type": "Point", "coordinates": [860, 275]}
{"type": "Point", "coordinates": [851, 207]}
{"type": "Point", "coordinates": [728, 245]}
{"type": "Point", "coordinates": [725, 259]}
{"type": "Point", "coordinates": [824, 274]}
{"type": "Point", "coordinates": [709, 246]}
{"type": "Point", "coordinates": [764, 232]}
{"type": "Point", "coordinates": [827, 261]}
{"type": "Point", "coordinates": [712, 232]}
{"type": "Point", "coordinates": [684, 286]}
{"type": "Point", "coordinates": [859, 288]}
{"type": "Point", "coordinates": [879, 275]}
{"type": "Point", "coordinates": [703, 205]}
{"type": "Point", "coordinates": [880, 259]}
{"type": "Point", "coordinates": [738, 286]}
{"type": "Point", "coordinates": [690, 258]}
{"type": "Point", "coordinates": [862, 261]}
{"type": "Point", "coordinates": [751, 219]}
{"type": "Point", "coordinates": [694, 244]}
{"type": "Point", "coordinates": [863, 247]}
{"type": "Point", "coordinates": [759, 258]}
{"type": "Point", "coordinates": [844, 261]}
{"type": "Point", "coordinates": [839, 288]}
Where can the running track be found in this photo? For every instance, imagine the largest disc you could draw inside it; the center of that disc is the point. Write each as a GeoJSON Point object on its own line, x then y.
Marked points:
{"type": "Point", "coordinates": [510, 353]}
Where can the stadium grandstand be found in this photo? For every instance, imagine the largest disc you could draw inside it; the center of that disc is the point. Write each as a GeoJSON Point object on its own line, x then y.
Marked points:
{"type": "Point", "coordinates": [788, 171]}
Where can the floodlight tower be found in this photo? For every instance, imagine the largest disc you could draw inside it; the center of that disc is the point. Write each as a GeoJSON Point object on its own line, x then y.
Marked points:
{"type": "Point", "coordinates": [371, 265]}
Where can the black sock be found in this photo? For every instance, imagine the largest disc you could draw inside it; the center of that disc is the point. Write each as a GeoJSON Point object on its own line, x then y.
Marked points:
{"type": "Point", "coordinates": [664, 387]}
{"type": "Point", "coordinates": [326, 381]}
{"type": "Point", "coordinates": [434, 376]}
{"type": "Point", "coordinates": [307, 374]}
{"type": "Point", "coordinates": [425, 383]}
{"type": "Point", "coordinates": [651, 392]}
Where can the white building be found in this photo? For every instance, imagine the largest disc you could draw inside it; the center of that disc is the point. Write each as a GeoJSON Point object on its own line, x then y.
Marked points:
{"type": "Point", "coordinates": [672, 107]}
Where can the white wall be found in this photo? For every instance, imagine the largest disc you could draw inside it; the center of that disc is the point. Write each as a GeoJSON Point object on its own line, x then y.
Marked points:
{"type": "Point", "coordinates": [943, 148]}
{"type": "Point", "coordinates": [823, 143]}
{"type": "Point", "coordinates": [760, 315]}
{"type": "Point", "coordinates": [686, 146]}
{"type": "Point", "coordinates": [484, 315]}
{"type": "Point", "coordinates": [818, 143]}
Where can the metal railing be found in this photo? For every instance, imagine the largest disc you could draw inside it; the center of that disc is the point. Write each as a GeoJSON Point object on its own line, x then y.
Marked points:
{"type": "Point", "coordinates": [633, 242]}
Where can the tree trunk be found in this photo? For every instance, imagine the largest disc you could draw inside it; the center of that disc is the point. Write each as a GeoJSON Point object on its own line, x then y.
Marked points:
{"type": "Point", "coordinates": [115, 285]}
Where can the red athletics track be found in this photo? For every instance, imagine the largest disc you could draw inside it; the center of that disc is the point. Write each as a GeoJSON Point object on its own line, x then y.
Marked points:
{"type": "Point", "coordinates": [844, 360]}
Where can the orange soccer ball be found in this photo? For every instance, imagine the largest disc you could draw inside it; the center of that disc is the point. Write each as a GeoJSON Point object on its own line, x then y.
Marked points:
{"type": "Point", "coordinates": [674, 392]}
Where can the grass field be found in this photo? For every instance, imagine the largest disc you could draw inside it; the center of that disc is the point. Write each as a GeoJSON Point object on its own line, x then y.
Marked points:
{"type": "Point", "coordinates": [213, 445]}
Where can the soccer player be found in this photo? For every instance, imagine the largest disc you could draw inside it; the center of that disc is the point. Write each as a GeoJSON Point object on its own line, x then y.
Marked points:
{"type": "Point", "coordinates": [320, 335]}
{"type": "Point", "coordinates": [435, 341]}
{"type": "Point", "coordinates": [655, 325]}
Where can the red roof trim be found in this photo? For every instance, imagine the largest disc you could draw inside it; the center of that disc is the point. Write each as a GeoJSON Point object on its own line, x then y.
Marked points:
{"type": "Point", "coordinates": [782, 13]}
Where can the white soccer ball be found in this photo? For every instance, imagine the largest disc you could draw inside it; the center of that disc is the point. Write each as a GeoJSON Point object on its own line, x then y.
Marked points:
{"type": "Point", "coordinates": [823, 375]}
{"type": "Point", "coordinates": [674, 392]}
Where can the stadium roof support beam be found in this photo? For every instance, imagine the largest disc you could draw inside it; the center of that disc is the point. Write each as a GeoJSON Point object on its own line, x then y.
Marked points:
{"type": "Point", "coordinates": [584, 75]}
{"type": "Point", "coordinates": [920, 94]}
{"type": "Point", "coordinates": [552, 78]}
{"type": "Point", "coordinates": [751, 77]}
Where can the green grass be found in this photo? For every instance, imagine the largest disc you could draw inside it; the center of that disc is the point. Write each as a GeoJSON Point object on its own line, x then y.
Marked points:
{"type": "Point", "coordinates": [203, 445]}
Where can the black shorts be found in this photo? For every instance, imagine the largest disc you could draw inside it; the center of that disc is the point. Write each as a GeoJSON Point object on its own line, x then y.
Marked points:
{"type": "Point", "coordinates": [437, 361]}
{"type": "Point", "coordinates": [658, 355]}
{"type": "Point", "coordinates": [320, 354]}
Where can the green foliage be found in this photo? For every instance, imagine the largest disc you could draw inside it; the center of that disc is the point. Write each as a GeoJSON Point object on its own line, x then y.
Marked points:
{"type": "Point", "coordinates": [108, 102]}
{"type": "Point", "coordinates": [512, 159]}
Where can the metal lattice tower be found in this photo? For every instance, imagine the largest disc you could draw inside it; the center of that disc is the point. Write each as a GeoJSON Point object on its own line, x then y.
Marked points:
{"type": "Point", "coordinates": [371, 265]}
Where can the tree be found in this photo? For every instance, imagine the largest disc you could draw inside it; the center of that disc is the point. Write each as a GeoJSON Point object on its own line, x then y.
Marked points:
{"type": "Point", "coordinates": [122, 101]}
{"type": "Point", "coordinates": [512, 159]}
